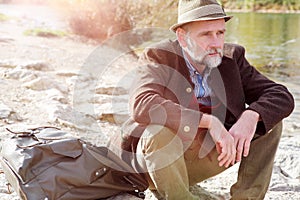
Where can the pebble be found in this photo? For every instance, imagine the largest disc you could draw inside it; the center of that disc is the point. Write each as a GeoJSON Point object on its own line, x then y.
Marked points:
{"type": "Point", "coordinates": [18, 73]}
{"type": "Point", "coordinates": [111, 90]}
{"type": "Point", "coordinates": [56, 95]}
{"type": "Point", "coordinates": [5, 111]}
{"type": "Point", "coordinates": [37, 65]}
{"type": "Point", "coordinates": [45, 83]}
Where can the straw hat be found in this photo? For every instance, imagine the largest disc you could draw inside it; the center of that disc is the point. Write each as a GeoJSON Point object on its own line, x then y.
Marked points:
{"type": "Point", "coordinates": [198, 10]}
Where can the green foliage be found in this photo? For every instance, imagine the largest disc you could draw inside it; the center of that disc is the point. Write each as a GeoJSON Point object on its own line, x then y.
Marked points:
{"type": "Point", "coordinates": [156, 13]}
{"type": "Point", "coordinates": [263, 4]}
{"type": "Point", "coordinates": [3, 17]}
{"type": "Point", "coordinates": [44, 32]}
{"type": "Point", "coordinates": [99, 19]}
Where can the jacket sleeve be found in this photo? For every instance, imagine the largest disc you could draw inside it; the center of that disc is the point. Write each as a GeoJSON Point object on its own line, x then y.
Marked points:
{"type": "Point", "coordinates": [161, 95]}
{"type": "Point", "coordinates": [271, 100]}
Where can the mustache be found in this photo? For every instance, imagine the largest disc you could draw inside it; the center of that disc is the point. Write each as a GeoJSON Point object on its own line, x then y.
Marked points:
{"type": "Point", "coordinates": [215, 50]}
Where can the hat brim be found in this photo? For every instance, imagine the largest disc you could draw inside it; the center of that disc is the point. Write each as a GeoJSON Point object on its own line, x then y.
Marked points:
{"type": "Point", "coordinates": [175, 26]}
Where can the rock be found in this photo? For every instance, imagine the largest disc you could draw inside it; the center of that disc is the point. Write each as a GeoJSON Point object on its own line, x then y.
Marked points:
{"type": "Point", "coordinates": [101, 99]}
{"type": "Point", "coordinates": [28, 77]}
{"type": "Point", "coordinates": [6, 40]}
{"type": "Point", "coordinates": [5, 111]}
{"type": "Point", "coordinates": [111, 90]}
{"type": "Point", "coordinates": [286, 171]}
{"type": "Point", "coordinates": [288, 157]}
{"type": "Point", "coordinates": [114, 118]}
{"type": "Point", "coordinates": [124, 196]}
{"type": "Point", "coordinates": [45, 83]}
{"type": "Point", "coordinates": [290, 165]}
{"type": "Point", "coordinates": [203, 194]}
{"type": "Point", "coordinates": [295, 125]}
{"type": "Point", "coordinates": [116, 113]}
{"type": "Point", "coordinates": [82, 82]}
{"type": "Point", "coordinates": [104, 98]}
{"type": "Point", "coordinates": [66, 116]}
{"type": "Point", "coordinates": [8, 115]}
{"type": "Point", "coordinates": [3, 82]}
{"type": "Point", "coordinates": [35, 65]}
{"type": "Point", "coordinates": [281, 181]}
{"type": "Point", "coordinates": [66, 73]}
{"type": "Point", "coordinates": [55, 95]}
{"type": "Point", "coordinates": [7, 64]}
{"type": "Point", "coordinates": [20, 74]}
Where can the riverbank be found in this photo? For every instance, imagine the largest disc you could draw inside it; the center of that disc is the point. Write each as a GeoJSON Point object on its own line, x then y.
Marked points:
{"type": "Point", "coordinates": [283, 11]}
{"type": "Point", "coordinates": [40, 76]}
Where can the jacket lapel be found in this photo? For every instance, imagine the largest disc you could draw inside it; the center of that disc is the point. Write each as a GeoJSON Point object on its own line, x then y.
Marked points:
{"type": "Point", "coordinates": [228, 87]}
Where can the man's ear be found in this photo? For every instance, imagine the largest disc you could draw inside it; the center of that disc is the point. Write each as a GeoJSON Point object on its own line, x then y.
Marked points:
{"type": "Point", "coordinates": [181, 37]}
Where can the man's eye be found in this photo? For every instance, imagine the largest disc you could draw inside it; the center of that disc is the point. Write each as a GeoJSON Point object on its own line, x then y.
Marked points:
{"type": "Point", "coordinates": [205, 34]}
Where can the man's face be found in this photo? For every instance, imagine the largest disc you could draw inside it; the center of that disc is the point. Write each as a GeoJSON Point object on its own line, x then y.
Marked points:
{"type": "Point", "coordinates": [204, 42]}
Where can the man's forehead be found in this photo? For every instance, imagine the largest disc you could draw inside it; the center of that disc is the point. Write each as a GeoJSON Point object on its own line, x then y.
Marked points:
{"type": "Point", "coordinates": [208, 25]}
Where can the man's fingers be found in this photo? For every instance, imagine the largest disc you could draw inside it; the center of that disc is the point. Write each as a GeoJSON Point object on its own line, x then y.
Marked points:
{"type": "Point", "coordinates": [223, 159]}
{"type": "Point", "coordinates": [246, 148]}
{"type": "Point", "coordinates": [227, 155]}
{"type": "Point", "coordinates": [239, 150]}
{"type": "Point", "coordinates": [218, 147]}
{"type": "Point", "coordinates": [233, 156]}
{"type": "Point", "coordinates": [221, 152]}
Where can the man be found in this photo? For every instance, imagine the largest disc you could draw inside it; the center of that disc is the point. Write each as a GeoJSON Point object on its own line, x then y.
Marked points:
{"type": "Point", "coordinates": [198, 107]}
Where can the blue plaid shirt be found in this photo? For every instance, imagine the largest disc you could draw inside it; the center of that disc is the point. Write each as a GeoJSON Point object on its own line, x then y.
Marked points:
{"type": "Point", "coordinates": [202, 91]}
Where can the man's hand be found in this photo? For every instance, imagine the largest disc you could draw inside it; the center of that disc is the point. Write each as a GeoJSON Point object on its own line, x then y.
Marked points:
{"type": "Point", "coordinates": [243, 131]}
{"type": "Point", "coordinates": [223, 139]}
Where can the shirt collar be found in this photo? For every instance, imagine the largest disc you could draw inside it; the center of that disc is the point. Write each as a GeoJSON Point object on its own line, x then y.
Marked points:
{"type": "Point", "coordinates": [191, 68]}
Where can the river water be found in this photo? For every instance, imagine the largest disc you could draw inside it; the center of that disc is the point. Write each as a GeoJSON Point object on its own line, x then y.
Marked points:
{"type": "Point", "coordinates": [271, 40]}
{"type": "Point", "coordinates": [272, 43]}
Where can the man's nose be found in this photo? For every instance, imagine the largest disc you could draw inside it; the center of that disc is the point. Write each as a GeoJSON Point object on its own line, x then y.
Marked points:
{"type": "Point", "coordinates": [216, 41]}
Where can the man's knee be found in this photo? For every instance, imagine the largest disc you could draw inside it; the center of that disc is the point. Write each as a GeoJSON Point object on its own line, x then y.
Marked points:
{"type": "Point", "coordinates": [275, 133]}
{"type": "Point", "coordinates": [159, 147]}
{"type": "Point", "coordinates": [277, 130]}
{"type": "Point", "coordinates": [157, 137]}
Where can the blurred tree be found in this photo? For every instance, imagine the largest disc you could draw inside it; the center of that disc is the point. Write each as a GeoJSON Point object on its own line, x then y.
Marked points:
{"type": "Point", "coordinates": [99, 19]}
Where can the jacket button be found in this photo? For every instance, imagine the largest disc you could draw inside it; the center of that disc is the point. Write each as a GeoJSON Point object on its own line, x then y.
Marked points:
{"type": "Point", "coordinates": [188, 90]}
{"type": "Point", "coordinates": [186, 129]}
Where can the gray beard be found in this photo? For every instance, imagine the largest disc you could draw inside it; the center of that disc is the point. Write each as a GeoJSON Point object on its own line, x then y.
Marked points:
{"type": "Point", "coordinates": [203, 59]}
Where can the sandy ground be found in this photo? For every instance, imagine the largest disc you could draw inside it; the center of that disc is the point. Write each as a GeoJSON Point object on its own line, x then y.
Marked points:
{"type": "Point", "coordinates": [43, 81]}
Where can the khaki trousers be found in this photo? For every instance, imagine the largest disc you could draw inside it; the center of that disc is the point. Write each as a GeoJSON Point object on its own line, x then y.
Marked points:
{"type": "Point", "coordinates": [172, 168]}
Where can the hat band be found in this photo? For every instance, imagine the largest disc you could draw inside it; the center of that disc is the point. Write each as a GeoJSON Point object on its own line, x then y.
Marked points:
{"type": "Point", "coordinates": [203, 11]}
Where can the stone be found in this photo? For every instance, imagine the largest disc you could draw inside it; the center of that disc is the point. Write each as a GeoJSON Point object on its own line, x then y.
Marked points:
{"type": "Point", "coordinates": [20, 74]}
{"type": "Point", "coordinates": [66, 116]}
{"type": "Point", "coordinates": [35, 65]}
{"type": "Point", "coordinates": [124, 196]}
{"type": "Point", "coordinates": [288, 157]}
{"type": "Point", "coordinates": [7, 64]}
{"type": "Point", "coordinates": [45, 83]}
{"type": "Point", "coordinates": [116, 113]}
{"type": "Point", "coordinates": [5, 111]}
{"type": "Point", "coordinates": [6, 40]}
{"type": "Point", "coordinates": [55, 95]}
{"type": "Point", "coordinates": [111, 90]}
{"type": "Point", "coordinates": [66, 73]}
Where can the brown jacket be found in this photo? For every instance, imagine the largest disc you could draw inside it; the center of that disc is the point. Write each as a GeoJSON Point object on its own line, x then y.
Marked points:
{"type": "Point", "coordinates": [163, 93]}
